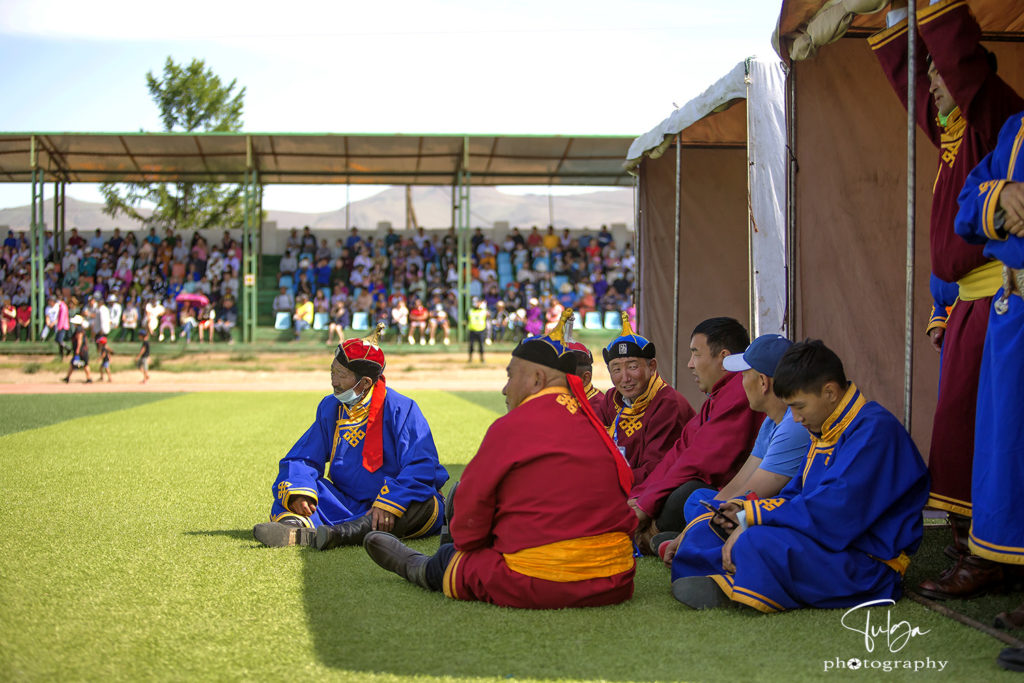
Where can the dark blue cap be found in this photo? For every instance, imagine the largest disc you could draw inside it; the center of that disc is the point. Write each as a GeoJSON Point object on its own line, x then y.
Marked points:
{"type": "Point", "coordinates": [762, 355]}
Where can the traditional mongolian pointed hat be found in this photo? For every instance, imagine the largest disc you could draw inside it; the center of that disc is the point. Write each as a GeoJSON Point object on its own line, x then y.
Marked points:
{"type": "Point", "coordinates": [628, 344]}
{"type": "Point", "coordinates": [363, 356]}
{"type": "Point", "coordinates": [583, 354]}
{"type": "Point", "coordinates": [549, 350]}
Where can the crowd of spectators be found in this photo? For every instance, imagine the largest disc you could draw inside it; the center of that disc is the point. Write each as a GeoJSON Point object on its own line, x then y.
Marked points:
{"type": "Point", "coordinates": [120, 283]}
{"type": "Point", "coordinates": [409, 282]}
{"type": "Point", "coordinates": [177, 285]}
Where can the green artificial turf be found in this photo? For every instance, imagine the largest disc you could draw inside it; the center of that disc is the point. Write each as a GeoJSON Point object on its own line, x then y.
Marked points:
{"type": "Point", "coordinates": [30, 411]}
{"type": "Point", "coordinates": [126, 554]}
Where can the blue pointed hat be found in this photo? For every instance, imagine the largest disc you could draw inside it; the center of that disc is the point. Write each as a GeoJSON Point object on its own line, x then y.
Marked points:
{"type": "Point", "coordinates": [628, 344]}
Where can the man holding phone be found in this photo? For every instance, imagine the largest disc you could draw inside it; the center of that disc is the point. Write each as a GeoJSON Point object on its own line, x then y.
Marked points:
{"type": "Point", "coordinates": [840, 534]}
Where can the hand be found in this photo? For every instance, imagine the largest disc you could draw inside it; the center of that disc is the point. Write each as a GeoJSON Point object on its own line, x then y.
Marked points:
{"type": "Point", "coordinates": [1011, 200]}
{"type": "Point", "coordinates": [671, 549]}
{"type": "Point", "coordinates": [640, 514]}
{"type": "Point", "coordinates": [726, 517]}
{"type": "Point", "coordinates": [382, 520]}
{"type": "Point", "coordinates": [727, 564]}
{"type": "Point", "coordinates": [935, 337]}
{"type": "Point", "coordinates": [302, 505]}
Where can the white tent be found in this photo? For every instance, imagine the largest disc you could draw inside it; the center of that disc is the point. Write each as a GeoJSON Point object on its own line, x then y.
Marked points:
{"type": "Point", "coordinates": [712, 226]}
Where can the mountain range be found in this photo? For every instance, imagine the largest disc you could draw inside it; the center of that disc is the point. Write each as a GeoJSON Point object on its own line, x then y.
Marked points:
{"type": "Point", "coordinates": [432, 206]}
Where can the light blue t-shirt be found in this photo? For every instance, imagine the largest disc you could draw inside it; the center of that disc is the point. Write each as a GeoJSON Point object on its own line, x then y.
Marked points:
{"type": "Point", "coordinates": [782, 447]}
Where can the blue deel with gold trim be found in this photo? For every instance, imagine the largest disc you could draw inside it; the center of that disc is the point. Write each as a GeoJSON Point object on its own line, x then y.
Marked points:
{"type": "Point", "coordinates": [998, 472]}
{"type": "Point", "coordinates": [826, 539]}
{"type": "Point", "coordinates": [326, 463]}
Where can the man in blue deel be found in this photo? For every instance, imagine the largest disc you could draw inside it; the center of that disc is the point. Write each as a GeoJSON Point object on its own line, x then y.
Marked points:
{"type": "Point", "coordinates": [367, 463]}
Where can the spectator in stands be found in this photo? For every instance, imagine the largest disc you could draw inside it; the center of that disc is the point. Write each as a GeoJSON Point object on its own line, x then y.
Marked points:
{"type": "Point", "coordinates": [550, 239]}
{"type": "Point", "coordinates": [294, 241]}
{"type": "Point", "coordinates": [534, 239]}
{"type": "Point", "coordinates": [439, 320]}
{"type": "Point", "coordinates": [303, 286]}
{"type": "Point", "coordinates": [323, 252]}
{"type": "Point", "coordinates": [168, 321]}
{"type": "Point", "coordinates": [308, 241]}
{"type": "Point", "coordinates": [96, 243]}
{"type": "Point", "coordinates": [8, 318]}
{"type": "Point", "coordinates": [418, 316]}
{"type": "Point", "coordinates": [320, 302]}
{"type": "Point", "coordinates": [188, 322]}
{"type": "Point", "coordinates": [303, 318]}
{"type": "Point", "coordinates": [207, 320]}
{"type": "Point", "coordinates": [399, 318]}
{"type": "Point", "coordinates": [129, 321]}
{"type": "Point", "coordinates": [284, 302]}
{"type": "Point", "coordinates": [227, 318]}
{"type": "Point", "coordinates": [340, 319]}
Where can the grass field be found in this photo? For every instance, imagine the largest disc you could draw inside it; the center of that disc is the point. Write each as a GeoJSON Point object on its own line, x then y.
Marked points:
{"type": "Point", "coordinates": [126, 554]}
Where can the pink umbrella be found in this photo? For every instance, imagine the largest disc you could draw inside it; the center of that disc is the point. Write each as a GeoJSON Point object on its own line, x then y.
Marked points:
{"type": "Point", "coordinates": [193, 297]}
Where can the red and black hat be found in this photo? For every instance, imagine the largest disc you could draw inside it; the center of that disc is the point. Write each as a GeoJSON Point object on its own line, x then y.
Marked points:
{"type": "Point", "coordinates": [363, 356]}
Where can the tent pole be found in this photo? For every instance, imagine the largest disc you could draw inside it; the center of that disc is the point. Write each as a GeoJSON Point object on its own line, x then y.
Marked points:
{"type": "Point", "coordinates": [791, 171]}
{"type": "Point", "coordinates": [675, 270]}
{"type": "Point", "coordinates": [638, 281]}
{"type": "Point", "coordinates": [908, 332]}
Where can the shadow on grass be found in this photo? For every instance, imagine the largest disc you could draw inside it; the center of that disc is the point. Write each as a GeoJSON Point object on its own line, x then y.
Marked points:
{"type": "Point", "coordinates": [364, 619]}
{"type": "Point", "coordinates": [240, 534]}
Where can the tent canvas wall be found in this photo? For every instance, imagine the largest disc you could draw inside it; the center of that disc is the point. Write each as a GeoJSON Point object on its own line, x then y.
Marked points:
{"type": "Point", "coordinates": [849, 212]}
{"type": "Point", "coordinates": [731, 255]}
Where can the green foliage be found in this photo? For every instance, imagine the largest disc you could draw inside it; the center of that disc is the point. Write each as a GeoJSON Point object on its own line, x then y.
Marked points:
{"type": "Point", "coordinates": [191, 99]}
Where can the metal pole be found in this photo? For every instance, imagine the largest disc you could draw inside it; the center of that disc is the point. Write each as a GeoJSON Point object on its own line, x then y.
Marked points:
{"type": "Point", "coordinates": [675, 260]}
{"type": "Point", "coordinates": [638, 279]}
{"type": "Point", "coordinates": [347, 203]}
{"type": "Point", "coordinates": [791, 170]}
{"type": "Point", "coordinates": [908, 332]}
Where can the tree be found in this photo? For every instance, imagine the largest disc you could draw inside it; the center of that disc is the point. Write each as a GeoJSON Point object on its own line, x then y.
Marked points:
{"type": "Point", "coordinates": [191, 98]}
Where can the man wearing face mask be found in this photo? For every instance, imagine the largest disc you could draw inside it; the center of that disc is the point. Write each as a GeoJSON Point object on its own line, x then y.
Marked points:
{"type": "Point", "coordinates": [368, 462]}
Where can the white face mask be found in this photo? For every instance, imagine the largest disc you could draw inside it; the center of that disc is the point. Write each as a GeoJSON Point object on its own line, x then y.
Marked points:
{"type": "Point", "coordinates": [349, 397]}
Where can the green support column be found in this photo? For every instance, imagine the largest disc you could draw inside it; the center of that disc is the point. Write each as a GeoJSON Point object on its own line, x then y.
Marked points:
{"type": "Point", "coordinates": [37, 238]}
{"type": "Point", "coordinates": [59, 216]}
{"type": "Point", "coordinates": [249, 256]}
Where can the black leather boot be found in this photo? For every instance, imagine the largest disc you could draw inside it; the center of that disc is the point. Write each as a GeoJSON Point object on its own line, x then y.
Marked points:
{"type": "Point", "coordinates": [289, 531]}
{"type": "Point", "coordinates": [393, 555]}
{"type": "Point", "coordinates": [347, 533]}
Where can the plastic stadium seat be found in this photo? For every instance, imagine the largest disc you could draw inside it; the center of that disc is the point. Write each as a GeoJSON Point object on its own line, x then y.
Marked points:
{"type": "Point", "coordinates": [593, 321]}
{"type": "Point", "coordinates": [559, 281]}
{"type": "Point", "coordinates": [327, 292]}
{"type": "Point", "coordinates": [283, 321]}
{"type": "Point", "coordinates": [613, 320]}
{"type": "Point", "coordinates": [285, 281]}
{"type": "Point", "coordinates": [319, 321]}
{"type": "Point", "coordinates": [577, 321]}
{"type": "Point", "coordinates": [360, 321]}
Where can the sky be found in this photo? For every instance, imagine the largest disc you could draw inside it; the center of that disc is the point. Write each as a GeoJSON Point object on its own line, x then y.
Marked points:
{"type": "Point", "coordinates": [559, 67]}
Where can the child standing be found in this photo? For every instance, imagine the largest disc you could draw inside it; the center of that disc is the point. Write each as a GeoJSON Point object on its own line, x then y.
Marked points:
{"type": "Point", "coordinates": [142, 359]}
{"type": "Point", "coordinates": [105, 353]}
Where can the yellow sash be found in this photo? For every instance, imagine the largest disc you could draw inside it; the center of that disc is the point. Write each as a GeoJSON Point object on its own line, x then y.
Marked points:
{"type": "Point", "coordinates": [984, 281]}
{"type": "Point", "coordinates": [898, 564]}
{"type": "Point", "coordinates": [576, 559]}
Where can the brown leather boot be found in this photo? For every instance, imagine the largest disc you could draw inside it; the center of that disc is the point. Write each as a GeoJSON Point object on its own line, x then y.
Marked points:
{"type": "Point", "coordinates": [1008, 620]}
{"type": "Point", "coordinates": [961, 528]}
{"type": "Point", "coordinates": [970, 577]}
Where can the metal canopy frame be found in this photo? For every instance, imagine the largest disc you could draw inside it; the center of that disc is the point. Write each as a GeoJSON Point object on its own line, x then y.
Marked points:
{"type": "Point", "coordinates": [253, 160]}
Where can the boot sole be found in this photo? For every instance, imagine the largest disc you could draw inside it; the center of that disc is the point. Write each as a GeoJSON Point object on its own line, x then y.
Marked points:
{"type": "Point", "coordinates": [277, 535]}
{"type": "Point", "coordinates": [700, 592]}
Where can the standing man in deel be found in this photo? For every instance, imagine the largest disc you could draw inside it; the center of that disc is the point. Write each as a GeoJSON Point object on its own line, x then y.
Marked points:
{"type": "Point", "coordinates": [961, 104]}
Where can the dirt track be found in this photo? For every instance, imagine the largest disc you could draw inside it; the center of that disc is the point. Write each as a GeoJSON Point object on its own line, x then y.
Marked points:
{"type": "Point", "coordinates": [448, 372]}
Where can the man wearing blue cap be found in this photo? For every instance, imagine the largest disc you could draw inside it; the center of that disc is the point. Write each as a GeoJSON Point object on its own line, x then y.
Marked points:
{"type": "Point", "coordinates": [840, 534]}
{"type": "Point", "coordinates": [778, 454]}
{"type": "Point", "coordinates": [644, 415]}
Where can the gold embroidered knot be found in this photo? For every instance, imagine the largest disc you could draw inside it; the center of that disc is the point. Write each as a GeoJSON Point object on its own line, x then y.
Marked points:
{"type": "Point", "coordinates": [354, 436]}
{"type": "Point", "coordinates": [569, 402]}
